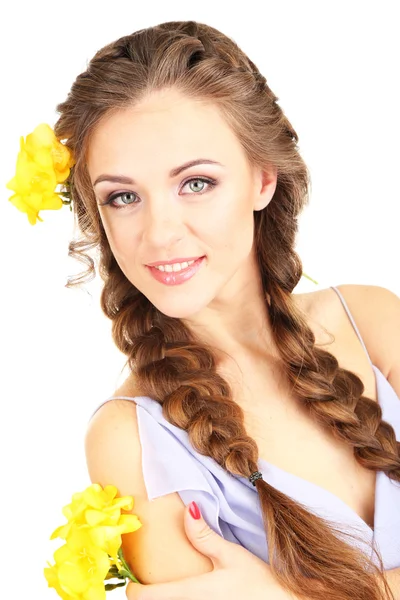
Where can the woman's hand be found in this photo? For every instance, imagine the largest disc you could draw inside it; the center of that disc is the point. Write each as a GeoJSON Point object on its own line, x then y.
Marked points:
{"type": "Point", "coordinates": [237, 573]}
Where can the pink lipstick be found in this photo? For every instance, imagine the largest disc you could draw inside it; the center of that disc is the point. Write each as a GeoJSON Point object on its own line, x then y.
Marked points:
{"type": "Point", "coordinates": [176, 277]}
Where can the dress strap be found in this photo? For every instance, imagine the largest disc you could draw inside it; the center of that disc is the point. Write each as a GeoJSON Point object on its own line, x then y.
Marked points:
{"type": "Point", "coordinates": [133, 399]}
{"type": "Point", "coordinates": [352, 321]}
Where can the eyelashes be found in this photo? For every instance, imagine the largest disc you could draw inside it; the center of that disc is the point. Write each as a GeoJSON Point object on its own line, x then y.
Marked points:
{"type": "Point", "coordinates": [113, 197]}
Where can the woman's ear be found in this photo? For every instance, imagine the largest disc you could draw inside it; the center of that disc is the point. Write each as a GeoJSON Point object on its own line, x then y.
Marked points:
{"type": "Point", "coordinates": [265, 186]}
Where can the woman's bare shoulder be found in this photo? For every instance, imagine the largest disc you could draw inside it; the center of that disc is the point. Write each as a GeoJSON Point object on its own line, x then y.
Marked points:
{"type": "Point", "coordinates": [323, 312]}
{"type": "Point", "coordinates": [159, 551]}
{"type": "Point", "coordinates": [334, 331]}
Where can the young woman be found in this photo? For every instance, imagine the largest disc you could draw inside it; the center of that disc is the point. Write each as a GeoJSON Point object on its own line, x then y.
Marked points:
{"type": "Point", "coordinates": [277, 413]}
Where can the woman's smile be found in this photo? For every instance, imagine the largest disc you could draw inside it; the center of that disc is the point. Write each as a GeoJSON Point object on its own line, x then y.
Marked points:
{"type": "Point", "coordinates": [176, 273]}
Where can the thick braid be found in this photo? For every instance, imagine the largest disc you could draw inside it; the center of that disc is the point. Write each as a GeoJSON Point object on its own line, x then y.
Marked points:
{"type": "Point", "coordinates": [174, 369]}
{"type": "Point", "coordinates": [181, 375]}
{"type": "Point", "coordinates": [333, 394]}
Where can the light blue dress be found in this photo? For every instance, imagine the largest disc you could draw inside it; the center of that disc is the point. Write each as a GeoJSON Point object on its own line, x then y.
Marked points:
{"type": "Point", "coordinates": [230, 503]}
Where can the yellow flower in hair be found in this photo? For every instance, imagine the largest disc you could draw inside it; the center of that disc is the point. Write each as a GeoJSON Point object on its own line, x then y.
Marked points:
{"type": "Point", "coordinates": [43, 163]}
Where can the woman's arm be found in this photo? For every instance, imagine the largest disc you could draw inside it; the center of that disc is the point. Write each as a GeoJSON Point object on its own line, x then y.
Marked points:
{"type": "Point", "coordinates": [159, 551]}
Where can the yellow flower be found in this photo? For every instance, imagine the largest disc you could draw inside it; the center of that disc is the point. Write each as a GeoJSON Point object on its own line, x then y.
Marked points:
{"type": "Point", "coordinates": [51, 574]}
{"type": "Point", "coordinates": [93, 549]}
{"type": "Point", "coordinates": [48, 152]}
{"type": "Point", "coordinates": [99, 511]}
{"type": "Point", "coordinates": [80, 569]}
{"type": "Point", "coordinates": [43, 162]}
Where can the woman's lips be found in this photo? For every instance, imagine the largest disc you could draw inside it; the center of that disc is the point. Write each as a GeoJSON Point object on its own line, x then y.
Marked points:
{"type": "Point", "coordinates": [176, 277]}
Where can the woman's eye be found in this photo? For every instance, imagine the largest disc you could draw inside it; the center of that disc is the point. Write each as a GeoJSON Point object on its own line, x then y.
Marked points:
{"type": "Point", "coordinates": [127, 198]}
{"type": "Point", "coordinates": [203, 180]}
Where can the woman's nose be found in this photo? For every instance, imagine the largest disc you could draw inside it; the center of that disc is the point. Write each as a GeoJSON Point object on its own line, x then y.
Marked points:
{"type": "Point", "coordinates": [163, 226]}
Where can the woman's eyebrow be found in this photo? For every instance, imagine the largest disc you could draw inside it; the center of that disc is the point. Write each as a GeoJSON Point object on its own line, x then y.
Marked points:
{"type": "Point", "coordinates": [176, 171]}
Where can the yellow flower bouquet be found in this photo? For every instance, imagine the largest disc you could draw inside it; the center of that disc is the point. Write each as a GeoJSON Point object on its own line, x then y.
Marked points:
{"type": "Point", "coordinates": [92, 553]}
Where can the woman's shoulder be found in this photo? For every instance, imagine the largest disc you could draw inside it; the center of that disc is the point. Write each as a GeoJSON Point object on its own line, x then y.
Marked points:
{"type": "Point", "coordinates": [373, 311]}
{"type": "Point", "coordinates": [331, 307]}
{"type": "Point", "coordinates": [322, 310]}
{"type": "Point", "coordinates": [363, 322]}
{"type": "Point", "coordinates": [114, 456]}
{"type": "Point", "coordinates": [130, 387]}
{"type": "Point", "coordinates": [325, 313]}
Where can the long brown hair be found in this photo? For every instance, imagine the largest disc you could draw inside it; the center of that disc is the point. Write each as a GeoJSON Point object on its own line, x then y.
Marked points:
{"type": "Point", "coordinates": [307, 555]}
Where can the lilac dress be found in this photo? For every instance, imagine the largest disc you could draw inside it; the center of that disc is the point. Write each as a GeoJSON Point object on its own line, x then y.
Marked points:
{"type": "Point", "coordinates": [230, 503]}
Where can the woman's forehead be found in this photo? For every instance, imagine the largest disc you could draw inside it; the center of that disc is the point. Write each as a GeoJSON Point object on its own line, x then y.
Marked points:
{"type": "Point", "coordinates": [163, 130]}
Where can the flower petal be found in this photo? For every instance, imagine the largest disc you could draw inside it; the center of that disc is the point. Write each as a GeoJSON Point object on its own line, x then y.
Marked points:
{"type": "Point", "coordinates": [51, 202]}
{"type": "Point", "coordinates": [12, 184]}
{"type": "Point", "coordinates": [42, 135]}
{"type": "Point", "coordinates": [129, 523]}
{"type": "Point", "coordinates": [61, 532]}
{"type": "Point", "coordinates": [125, 502]}
{"type": "Point", "coordinates": [93, 496]}
{"type": "Point", "coordinates": [94, 517]}
{"type": "Point", "coordinates": [96, 591]}
{"type": "Point", "coordinates": [51, 575]}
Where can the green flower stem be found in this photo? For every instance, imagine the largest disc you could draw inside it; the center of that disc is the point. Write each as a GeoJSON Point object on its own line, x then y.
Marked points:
{"type": "Point", "coordinates": [308, 277]}
{"type": "Point", "coordinates": [113, 572]}
{"type": "Point", "coordinates": [112, 586]}
{"type": "Point", "coordinates": [125, 572]}
{"type": "Point", "coordinates": [67, 202]}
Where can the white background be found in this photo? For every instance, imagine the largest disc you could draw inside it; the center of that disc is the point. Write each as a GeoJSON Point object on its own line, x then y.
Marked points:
{"type": "Point", "coordinates": [333, 65]}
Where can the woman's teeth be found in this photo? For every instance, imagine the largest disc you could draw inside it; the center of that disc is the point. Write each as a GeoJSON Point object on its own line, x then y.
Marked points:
{"type": "Point", "coordinates": [175, 267]}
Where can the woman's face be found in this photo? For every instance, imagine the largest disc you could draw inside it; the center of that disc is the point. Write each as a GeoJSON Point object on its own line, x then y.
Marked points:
{"type": "Point", "coordinates": [203, 212]}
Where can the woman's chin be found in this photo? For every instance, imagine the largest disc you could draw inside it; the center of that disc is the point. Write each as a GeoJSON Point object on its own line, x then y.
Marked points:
{"type": "Point", "coordinates": [179, 310]}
